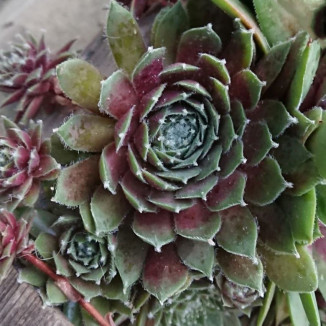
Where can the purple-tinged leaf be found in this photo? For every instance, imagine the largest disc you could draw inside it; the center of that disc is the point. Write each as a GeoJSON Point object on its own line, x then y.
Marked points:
{"type": "Point", "coordinates": [231, 159]}
{"type": "Point", "coordinates": [117, 95]}
{"type": "Point", "coordinates": [220, 93]}
{"type": "Point", "coordinates": [210, 163]}
{"type": "Point", "coordinates": [265, 182]}
{"type": "Point", "coordinates": [214, 67]}
{"type": "Point", "coordinates": [246, 87]}
{"type": "Point", "coordinates": [124, 128]}
{"type": "Point", "coordinates": [166, 200]}
{"type": "Point", "coordinates": [238, 233]}
{"type": "Point", "coordinates": [156, 229]}
{"type": "Point", "coordinates": [257, 142]}
{"type": "Point", "coordinates": [77, 182]}
{"type": "Point", "coordinates": [158, 183]}
{"type": "Point", "coordinates": [112, 166]}
{"type": "Point", "coordinates": [197, 255]}
{"type": "Point", "coordinates": [108, 210]}
{"type": "Point", "coordinates": [137, 193]}
{"type": "Point", "coordinates": [197, 222]}
{"type": "Point", "coordinates": [227, 193]}
{"type": "Point", "coordinates": [196, 41]}
{"type": "Point", "coordinates": [145, 76]}
{"type": "Point", "coordinates": [242, 270]}
{"type": "Point", "coordinates": [141, 140]}
{"type": "Point", "coordinates": [194, 87]}
{"type": "Point", "coordinates": [178, 71]}
{"type": "Point", "coordinates": [164, 274]}
{"type": "Point", "coordinates": [87, 133]}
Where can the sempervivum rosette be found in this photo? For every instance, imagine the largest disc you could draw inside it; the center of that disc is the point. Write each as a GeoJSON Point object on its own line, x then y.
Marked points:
{"type": "Point", "coordinates": [27, 72]}
{"type": "Point", "coordinates": [25, 161]}
{"type": "Point", "coordinates": [13, 240]}
{"type": "Point", "coordinates": [188, 154]}
{"type": "Point", "coordinates": [81, 256]}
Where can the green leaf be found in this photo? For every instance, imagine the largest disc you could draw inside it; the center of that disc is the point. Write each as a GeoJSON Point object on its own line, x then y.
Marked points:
{"type": "Point", "coordinates": [265, 308]}
{"type": "Point", "coordinates": [265, 182]}
{"type": "Point", "coordinates": [304, 76]}
{"type": "Point", "coordinates": [297, 313]}
{"type": "Point", "coordinates": [236, 9]}
{"type": "Point", "coordinates": [76, 183]}
{"type": "Point", "coordinates": [129, 256]}
{"type": "Point", "coordinates": [241, 270]}
{"type": "Point", "coordinates": [300, 212]}
{"type": "Point", "coordinates": [321, 202]}
{"type": "Point", "coordinates": [169, 27]}
{"type": "Point", "coordinates": [45, 244]}
{"type": "Point", "coordinates": [290, 272]}
{"type": "Point", "coordinates": [310, 306]}
{"type": "Point", "coordinates": [108, 210]}
{"type": "Point", "coordinates": [197, 255]}
{"type": "Point", "coordinates": [32, 275]}
{"type": "Point", "coordinates": [238, 233]}
{"type": "Point", "coordinates": [317, 144]}
{"type": "Point", "coordinates": [87, 133]}
{"type": "Point", "coordinates": [55, 295]}
{"type": "Point", "coordinates": [155, 229]}
{"type": "Point", "coordinates": [125, 40]}
{"type": "Point", "coordinates": [272, 17]}
{"type": "Point", "coordinates": [164, 274]}
{"type": "Point", "coordinates": [81, 82]}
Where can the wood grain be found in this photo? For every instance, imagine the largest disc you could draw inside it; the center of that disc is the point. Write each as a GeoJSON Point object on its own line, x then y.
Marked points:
{"type": "Point", "coordinates": [20, 304]}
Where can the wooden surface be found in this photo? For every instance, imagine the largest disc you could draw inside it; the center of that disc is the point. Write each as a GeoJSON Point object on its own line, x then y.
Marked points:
{"type": "Point", "coordinates": [20, 304]}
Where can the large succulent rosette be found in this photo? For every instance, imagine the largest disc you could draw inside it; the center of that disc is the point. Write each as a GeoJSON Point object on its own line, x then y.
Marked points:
{"type": "Point", "coordinates": [189, 163]}
{"type": "Point", "coordinates": [25, 161]}
{"type": "Point", "coordinates": [27, 73]}
{"type": "Point", "coordinates": [13, 240]}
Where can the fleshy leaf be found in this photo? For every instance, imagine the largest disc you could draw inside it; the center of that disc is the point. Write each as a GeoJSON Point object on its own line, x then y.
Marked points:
{"type": "Point", "coordinates": [274, 229]}
{"type": "Point", "coordinates": [76, 183]}
{"type": "Point", "coordinates": [290, 272]}
{"type": "Point", "coordinates": [45, 244]}
{"type": "Point", "coordinates": [310, 306]}
{"type": "Point", "coordinates": [54, 294]}
{"type": "Point", "coordinates": [126, 42]}
{"type": "Point", "coordinates": [154, 228]}
{"type": "Point", "coordinates": [168, 29]}
{"type": "Point", "coordinates": [117, 95]}
{"type": "Point", "coordinates": [197, 222]}
{"type": "Point", "coordinates": [196, 41]}
{"type": "Point", "coordinates": [129, 256]}
{"type": "Point", "coordinates": [321, 202]}
{"type": "Point", "coordinates": [88, 133]}
{"type": "Point", "coordinates": [303, 76]}
{"type": "Point", "coordinates": [164, 274]}
{"type": "Point", "coordinates": [113, 165]}
{"type": "Point", "coordinates": [238, 233]}
{"type": "Point", "coordinates": [300, 211]}
{"type": "Point", "coordinates": [81, 82]}
{"type": "Point", "coordinates": [236, 9]}
{"type": "Point", "coordinates": [227, 193]}
{"type": "Point", "coordinates": [196, 255]}
{"type": "Point", "coordinates": [108, 210]}
{"type": "Point", "coordinates": [265, 182]}
{"type": "Point", "coordinates": [241, 270]}
{"type": "Point", "coordinates": [296, 310]}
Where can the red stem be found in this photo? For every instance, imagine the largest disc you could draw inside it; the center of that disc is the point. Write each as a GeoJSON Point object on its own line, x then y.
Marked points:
{"type": "Point", "coordinates": [65, 286]}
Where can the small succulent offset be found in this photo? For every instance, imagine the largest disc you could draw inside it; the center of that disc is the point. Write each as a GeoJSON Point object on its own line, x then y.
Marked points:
{"type": "Point", "coordinates": [25, 161]}
{"type": "Point", "coordinates": [27, 73]}
{"type": "Point", "coordinates": [13, 240]}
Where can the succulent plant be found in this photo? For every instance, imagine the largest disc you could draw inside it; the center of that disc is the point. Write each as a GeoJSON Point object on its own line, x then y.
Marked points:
{"type": "Point", "coordinates": [27, 72]}
{"type": "Point", "coordinates": [13, 240]}
{"type": "Point", "coordinates": [24, 163]}
{"type": "Point", "coordinates": [82, 257]}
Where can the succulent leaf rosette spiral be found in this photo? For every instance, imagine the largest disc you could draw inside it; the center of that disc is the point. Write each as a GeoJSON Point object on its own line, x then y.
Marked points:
{"type": "Point", "coordinates": [25, 161]}
{"type": "Point", "coordinates": [27, 73]}
{"type": "Point", "coordinates": [186, 155]}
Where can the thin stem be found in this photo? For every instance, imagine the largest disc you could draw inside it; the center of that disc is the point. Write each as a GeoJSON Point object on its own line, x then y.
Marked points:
{"type": "Point", "coordinates": [65, 286]}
